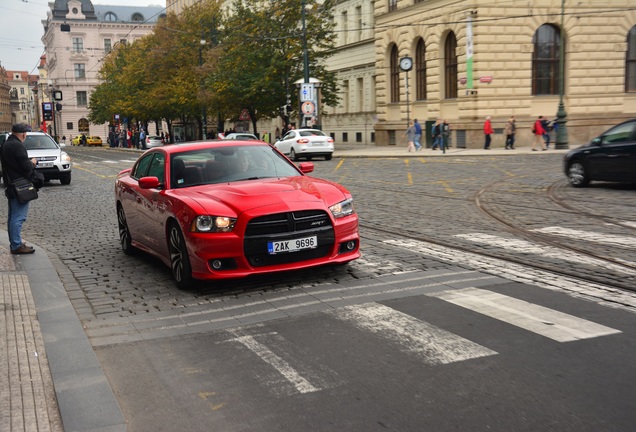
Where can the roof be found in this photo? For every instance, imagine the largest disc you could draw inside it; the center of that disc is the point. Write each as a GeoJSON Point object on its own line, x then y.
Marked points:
{"type": "Point", "coordinates": [109, 13]}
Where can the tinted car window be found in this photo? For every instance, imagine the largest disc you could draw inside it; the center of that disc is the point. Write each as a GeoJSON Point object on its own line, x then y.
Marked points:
{"type": "Point", "coordinates": [141, 168]}
{"type": "Point", "coordinates": [39, 142]}
{"type": "Point", "coordinates": [621, 133]}
{"type": "Point", "coordinates": [156, 167]}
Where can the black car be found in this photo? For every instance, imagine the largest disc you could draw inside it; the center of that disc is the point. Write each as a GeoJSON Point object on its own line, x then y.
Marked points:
{"type": "Point", "coordinates": [609, 157]}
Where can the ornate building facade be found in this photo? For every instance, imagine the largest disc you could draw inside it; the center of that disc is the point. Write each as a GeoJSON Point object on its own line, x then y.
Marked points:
{"type": "Point", "coordinates": [77, 36]}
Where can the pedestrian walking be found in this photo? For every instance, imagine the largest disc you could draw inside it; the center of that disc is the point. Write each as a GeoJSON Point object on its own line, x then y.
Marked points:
{"type": "Point", "coordinates": [410, 137]}
{"type": "Point", "coordinates": [538, 131]}
{"type": "Point", "coordinates": [142, 139]}
{"type": "Point", "coordinates": [546, 131]}
{"type": "Point", "coordinates": [437, 134]}
{"type": "Point", "coordinates": [16, 164]}
{"type": "Point", "coordinates": [487, 132]}
{"type": "Point", "coordinates": [446, 130]}
{"type": "Point", "coordinates": [510, 131]}
{"type": "Point", "coordinates": [418, 135]}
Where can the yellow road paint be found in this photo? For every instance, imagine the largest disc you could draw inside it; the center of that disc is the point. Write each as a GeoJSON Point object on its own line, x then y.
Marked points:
{"type": "Point", "coordinates": [206, 395]}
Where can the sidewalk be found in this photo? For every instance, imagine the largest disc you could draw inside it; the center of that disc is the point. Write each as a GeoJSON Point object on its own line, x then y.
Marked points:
{"type": "Point", "coordinates": [365, 150]}
{"type": "Point", "coordinates": [50, 379]}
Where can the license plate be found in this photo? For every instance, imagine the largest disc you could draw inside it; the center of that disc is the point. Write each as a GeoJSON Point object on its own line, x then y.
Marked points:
{"type": "Point", "coordinates": [45, 165]}
{"type": "Point", "coordinates": [294, 245]}
{"type": "Point", "coordinates": [317, 144]}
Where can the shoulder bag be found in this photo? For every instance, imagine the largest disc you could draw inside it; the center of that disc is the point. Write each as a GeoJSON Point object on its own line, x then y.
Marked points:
{"type": "Point", "coordinates": [24, 190]}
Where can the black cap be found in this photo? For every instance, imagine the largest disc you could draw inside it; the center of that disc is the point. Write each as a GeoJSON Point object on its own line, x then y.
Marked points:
{"type": "Point", "coordinates": [21, 128]}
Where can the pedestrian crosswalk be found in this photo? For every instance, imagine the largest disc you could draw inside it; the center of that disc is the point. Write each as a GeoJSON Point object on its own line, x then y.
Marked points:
{"type": "Point", "coordinates": [283, 371]}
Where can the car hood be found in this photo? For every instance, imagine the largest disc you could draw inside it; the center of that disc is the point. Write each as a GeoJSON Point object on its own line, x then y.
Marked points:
{"type": "Point", "coordinates": [267, 195]}
{"type": "Point", "coordinates": [43, 152]}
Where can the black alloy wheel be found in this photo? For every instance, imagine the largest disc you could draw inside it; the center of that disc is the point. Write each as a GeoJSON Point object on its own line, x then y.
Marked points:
{"type": "Point", "coordinates": [179, 259]}
{"type": "Point", "coordinates": [124, 232]}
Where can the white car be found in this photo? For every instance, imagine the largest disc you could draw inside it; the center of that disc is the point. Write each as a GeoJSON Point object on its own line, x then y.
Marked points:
{"type": "Point", "coordinates": [241, 136]}
{"type": "Point", "coordinates": [153, 141]}
{"type": "Point", "coordinates": [52, 162]}
{"type": "Point", "coordinates": [305, 143]}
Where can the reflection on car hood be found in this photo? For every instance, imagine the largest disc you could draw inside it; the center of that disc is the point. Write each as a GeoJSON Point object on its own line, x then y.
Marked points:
{"type": "Point", "coordinates": [43, 152]}
{"type": "Point", "coordinates": [285, 194]}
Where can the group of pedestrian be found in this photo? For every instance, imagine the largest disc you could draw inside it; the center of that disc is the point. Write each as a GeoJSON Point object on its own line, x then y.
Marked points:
{"type": "Point", "coordinates": [540, 129]}
{"type": "Point", "coordinates": [440, 132]}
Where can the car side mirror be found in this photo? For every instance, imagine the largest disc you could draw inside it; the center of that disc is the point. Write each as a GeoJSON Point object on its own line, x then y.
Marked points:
{"type": "Point", "coordinates": [149, 183]}
{"type": "Point", "coordinates": [597, 141]}
{"type": "Point", "coordinates": [306, 167]}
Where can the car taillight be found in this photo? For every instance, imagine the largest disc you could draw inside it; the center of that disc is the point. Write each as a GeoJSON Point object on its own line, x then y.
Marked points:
{"type": "Point", "coordinates": [329, 140]}
{"type": "Point", "coordinates": [302, 141]}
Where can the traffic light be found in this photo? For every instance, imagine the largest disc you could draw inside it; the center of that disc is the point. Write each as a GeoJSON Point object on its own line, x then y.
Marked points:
{"type": "Point", "coordinates": [47, 110]}
{"type": "Point", "coordinates": [58, 107]}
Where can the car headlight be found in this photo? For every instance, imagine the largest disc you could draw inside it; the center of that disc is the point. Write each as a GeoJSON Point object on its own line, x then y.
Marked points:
{"type": "Point", "coordinates": [342, 209]}
{"type": "Point", "coordinates": [213, 224]}
{"type": "Point", "coordinates": [65, 157]}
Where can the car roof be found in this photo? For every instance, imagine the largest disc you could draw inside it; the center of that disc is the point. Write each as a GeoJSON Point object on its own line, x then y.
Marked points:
{"type": "Point", "coordinates": [198, 145]}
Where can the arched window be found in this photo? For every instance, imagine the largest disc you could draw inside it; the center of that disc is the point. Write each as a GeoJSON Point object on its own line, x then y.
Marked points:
{"type": "Point", "coordinates": [420, 70]}
{"type": "Point", "coordinates": [450, 67]}
{"type": "Point", "coordinates": [137, 17]}
{"type": "Point", "coordinates": [630, 62]}
{"type": "Point", "coordinates": [395, 75]}
{"type": "Point", "coordinates": [545, 60]}
{"type": "Point", "coordinates": [110, 17]}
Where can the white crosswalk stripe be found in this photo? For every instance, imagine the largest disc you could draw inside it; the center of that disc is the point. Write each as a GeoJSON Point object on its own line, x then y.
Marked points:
{"type": "Point", "coordinates": [523, 246]}
{"type": "Point", "coordinates": [615, 240]}
{"type": "Point", "coordinates": [432, 344]}
{"type": "Point", "coordinates": [546, 322]}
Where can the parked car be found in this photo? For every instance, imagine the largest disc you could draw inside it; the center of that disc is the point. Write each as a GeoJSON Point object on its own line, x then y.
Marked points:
{"type": "Point", "coordinates": [77, 140]}
{"type": "Point", "coordinates": [306, 143]}
{"type": "Point", "coordinates": [153, 141]}
{"type": "Point", "coordinates": [608, 157]}
{"type": "Point", "coordinates": [240, 136]}
{"type": "Point", "coordinates": [230, 209]}
{"type": "Point", "coordinates": [93, 141]}
{"type": "Point", "coordinates": [52, 162]}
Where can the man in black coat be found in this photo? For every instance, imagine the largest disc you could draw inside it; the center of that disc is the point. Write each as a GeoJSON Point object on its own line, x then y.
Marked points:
{"type": "Point", "coordinates": [16, 164]}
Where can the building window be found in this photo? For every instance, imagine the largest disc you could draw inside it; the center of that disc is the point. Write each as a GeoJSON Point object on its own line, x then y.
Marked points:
{"type": "Point", "coordinates": [80, 71]}
{"type": "Point", "coordinates": [450, 67]}
{"type": "Point", "coordinates": [393, 5]}
{"type": "Point", "coordinates": [630, 60]}
{"type": "Point", "coordinates": [420, 70]}
{"type": "Point", "coordinates": [69, 125]}
{"type": "Point", "coordinates": [81, 98]}
{"type": "Point", "coordinates": [344, 18]}
{"type": "Point", "coordinates": [137, 17]}
{"type": "Point", "coordinates": [345, 137]}
{"type": "Point", "coordinates": [345, 96]}
{"type": "Point", "coordinates": [22, 91]}
{"type": "Point", "coordinates": [394, 75]}
{"type": "Point", "coordinates": [78, 44]}
{"type": "Point", "coordinates": [110, 17]}
{"type": "Point", "coordinates": [359, 22]}
{"type": "Point", "coordinates": [545, 60]}
{"type": "Point", "coordinates": [358, 136]}
{"type": "Point", "coordinates": [108, 45]}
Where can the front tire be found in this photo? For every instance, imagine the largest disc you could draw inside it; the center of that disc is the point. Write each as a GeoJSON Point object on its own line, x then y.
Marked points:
{"type": "Point", "coordinates": [66, 179]}
{"type": "Point", "coordinates": [179, 259]}
{"type": "Point", "coordinates": [328, 157]}
{"type": "Point", "coordinates": [577, 174]}
{"type": "Point", "coordinates": [124, 233]}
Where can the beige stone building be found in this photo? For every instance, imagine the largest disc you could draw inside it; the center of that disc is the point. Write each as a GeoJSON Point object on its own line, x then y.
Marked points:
{"type": "Point", "coordinates": [21, 97]}
{"type": "Point", "coordinates": [77, 36]}
{"type": "Point", "coordinates": [515, 65]}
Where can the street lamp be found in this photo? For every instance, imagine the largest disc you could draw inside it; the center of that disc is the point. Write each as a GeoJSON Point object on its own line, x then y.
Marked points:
{"type": "Point", "coordinates": [305, 53]}
{"type": "Point", "coordinates": [204, 113]}
{"type": "Point", "coordinates": [562, 132]}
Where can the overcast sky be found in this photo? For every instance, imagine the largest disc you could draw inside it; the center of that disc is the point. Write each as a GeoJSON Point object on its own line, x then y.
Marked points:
{"type": "Point", "coordinates": [21, 30]}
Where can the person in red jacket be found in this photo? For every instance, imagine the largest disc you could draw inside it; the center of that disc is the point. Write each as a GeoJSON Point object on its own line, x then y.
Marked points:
{"type": "Point", "coordinates": [538, 131]}
{"type": "Point", "coordinates": [487, 132]}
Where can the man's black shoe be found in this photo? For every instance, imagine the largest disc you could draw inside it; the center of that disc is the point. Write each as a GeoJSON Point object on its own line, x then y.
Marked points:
{"type": "Point", "coordinates": [23, 249]}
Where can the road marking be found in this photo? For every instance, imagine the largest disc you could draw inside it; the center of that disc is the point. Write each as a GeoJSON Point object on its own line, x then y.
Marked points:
{"type": "Point", "coordinates": [523, 246]}
{"type": "Point", "coordinates": [624, 241]}
{"type": "Point", "coordinates": [434, 345]}
{"type": "Point", "coordinates": [285, 369]}
{"type": "Point", "coordinates": [550, 323]}
{"type": "Point", "coordinates": [572, 286]}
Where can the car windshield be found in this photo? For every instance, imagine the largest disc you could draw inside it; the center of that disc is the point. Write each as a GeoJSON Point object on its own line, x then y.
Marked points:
{"type": "Point", "coordinates": [228, 164]}
{"type": "Point", "coordinates": [39, 142]}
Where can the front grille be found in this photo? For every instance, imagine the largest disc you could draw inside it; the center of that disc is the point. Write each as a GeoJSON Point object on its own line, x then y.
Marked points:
{"type": "Point", "coordinates": [287, 226]}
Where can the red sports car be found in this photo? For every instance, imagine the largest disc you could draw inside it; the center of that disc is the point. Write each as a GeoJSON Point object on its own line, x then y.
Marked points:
{"type": "Point", "coordinates": [229, 209]}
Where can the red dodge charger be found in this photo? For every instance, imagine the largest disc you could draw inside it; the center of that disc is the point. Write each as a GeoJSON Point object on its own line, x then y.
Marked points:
{"type": "Point", "coordinates": [229, 209]}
